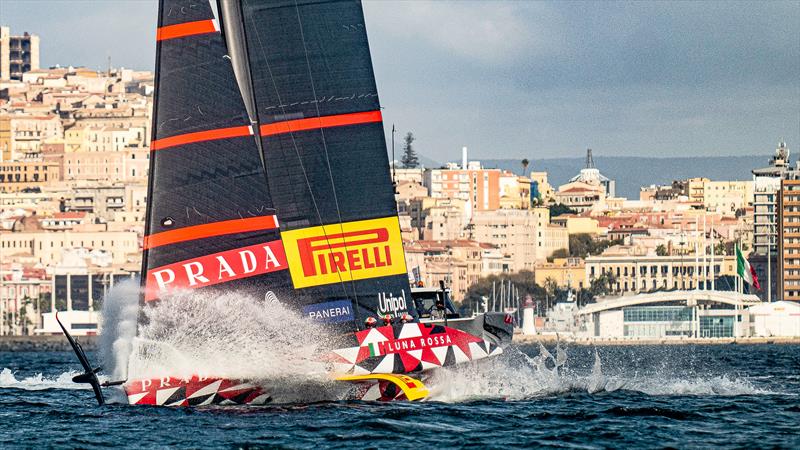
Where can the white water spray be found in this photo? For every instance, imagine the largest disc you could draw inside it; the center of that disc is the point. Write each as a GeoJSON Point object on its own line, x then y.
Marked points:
{"type": "Point", "coordinates": [38, 382]}
{"type": "Point", "coordinates": [120, 314]}
{"type": "Point", "coordinates": [517, 376]}
{"type": "Point", "coordinates": [226, 335]}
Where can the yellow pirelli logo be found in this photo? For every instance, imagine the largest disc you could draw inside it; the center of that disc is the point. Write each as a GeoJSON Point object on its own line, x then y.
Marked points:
{"type": "Point", "coordinates": [344, 252]}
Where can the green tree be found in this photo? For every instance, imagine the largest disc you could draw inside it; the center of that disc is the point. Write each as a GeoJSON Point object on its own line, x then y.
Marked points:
{"type": "Point", "coordinates": [602, 285]}
{"type": "Point", "coordinates": [582, 245]}
{"type": "Point", "coordinates": [559, 209]}
{"type": "Point", "coordinates": [661, 250]}
{"type": "Point", "coordinates": [558, 253]}
{"type": "Point", "coordinates": [525, 164]}
{"type": "Point", "coordinates": [410, 159]}
{"type": "Point", "coordinates": [550, 290]}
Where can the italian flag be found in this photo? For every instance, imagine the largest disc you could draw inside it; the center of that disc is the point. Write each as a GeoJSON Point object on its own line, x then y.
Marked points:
{"type": "Point", "coordinates": [745, 270]}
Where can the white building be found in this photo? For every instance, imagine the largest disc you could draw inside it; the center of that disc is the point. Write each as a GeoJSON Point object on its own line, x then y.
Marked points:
{"type": "Point", "coordinates": [776, 319]}
{"type": "Point", "coordinates": [78, 323]}
{"type": "Point", "coordinates": [674, 314]}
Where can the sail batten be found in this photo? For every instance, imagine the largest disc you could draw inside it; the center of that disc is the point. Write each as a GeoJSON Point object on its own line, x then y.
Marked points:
{"type": "Point", "coordinates": [186, 29]}
{"type": "Point", "coordinates": [225, 227]}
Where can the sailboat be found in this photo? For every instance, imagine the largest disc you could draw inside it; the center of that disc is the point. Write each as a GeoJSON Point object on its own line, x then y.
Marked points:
{"type": "Point", "coordinates": [269, 177]}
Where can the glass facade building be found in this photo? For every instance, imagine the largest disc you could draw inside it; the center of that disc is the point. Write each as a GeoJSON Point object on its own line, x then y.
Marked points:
{"type": "Point", "coordinates": [671, 321]}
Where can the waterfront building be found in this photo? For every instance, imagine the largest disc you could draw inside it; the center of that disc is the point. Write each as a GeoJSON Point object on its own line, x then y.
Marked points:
{"type": "Point", "coordinates": [77, 296]}
{"type": "Point", "coordinates": [776, 319]}
{"type": "Point", "coordinates": [633, 270]}
{"type": "Point", "coordinates": [670, 315]}
{"type": "Point", "coordinates": [18, 54]}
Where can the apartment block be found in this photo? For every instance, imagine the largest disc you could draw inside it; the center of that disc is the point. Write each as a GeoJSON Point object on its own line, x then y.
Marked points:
{"type": "Point", "coordinates": [21, 176]}
{"type": "Point", "coordinates": [525, 236]}
{"type": "Point", "coordinates": [788, 270]}
{"type": "Point", "coordinates": [476, 185]}
{"type": "Point", "coordinates": [18, 54]}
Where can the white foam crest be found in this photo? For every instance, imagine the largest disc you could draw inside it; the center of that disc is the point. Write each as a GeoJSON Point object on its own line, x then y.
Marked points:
{"type": "Point", "coordinates": [517, 376]}
{"type": "Point", "coordinates": [38, 382]}
{"type": "Point", "coordinates": [226, 335]}
{"type": "Point", "coordinates": [120, 315]}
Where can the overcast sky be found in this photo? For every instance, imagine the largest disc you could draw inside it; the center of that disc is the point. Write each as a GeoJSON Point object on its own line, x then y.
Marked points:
{"type": "Point", "coordinates": [528, 79]}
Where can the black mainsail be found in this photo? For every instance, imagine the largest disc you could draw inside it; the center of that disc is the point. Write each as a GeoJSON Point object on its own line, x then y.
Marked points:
{"type": "Point", "coordinates": [269, 170]}
{"type": "Point", "coordinates": [210, 219]}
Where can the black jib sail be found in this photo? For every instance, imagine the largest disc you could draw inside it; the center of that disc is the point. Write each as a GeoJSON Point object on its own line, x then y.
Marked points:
{"type": "Point", "coordinates": [307, 212]}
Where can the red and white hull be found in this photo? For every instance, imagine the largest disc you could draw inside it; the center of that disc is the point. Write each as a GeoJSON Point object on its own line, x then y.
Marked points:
{"type": "Point", "coordinates": [410, 348]}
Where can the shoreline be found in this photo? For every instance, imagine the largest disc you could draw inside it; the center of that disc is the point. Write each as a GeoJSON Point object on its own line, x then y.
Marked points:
{"type": "Point", "coordinates": [47, 343]}
{"type": "Point", "coordinates": [53, 343]}
{"type": "Point", "coordinates": [553, 338]}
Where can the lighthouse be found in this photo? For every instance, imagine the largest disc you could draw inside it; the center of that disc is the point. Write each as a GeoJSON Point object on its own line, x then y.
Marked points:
{"type": "Point", "coordinates": [528, 327]}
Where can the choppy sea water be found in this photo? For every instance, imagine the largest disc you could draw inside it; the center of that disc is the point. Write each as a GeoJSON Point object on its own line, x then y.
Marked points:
{"type": "Point", "coordinates": [578, 397]}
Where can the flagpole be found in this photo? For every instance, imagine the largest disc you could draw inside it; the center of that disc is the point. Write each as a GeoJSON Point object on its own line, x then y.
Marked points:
{"type": "Point", "coordinates": [713, 244]}
{"type": "Point", "coordinates": [705, 261]}
{"type": "Point", "coordinates": [696, 253]}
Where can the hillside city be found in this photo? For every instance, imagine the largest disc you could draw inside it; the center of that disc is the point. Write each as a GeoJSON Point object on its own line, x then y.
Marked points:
{"type": "Point", "coordinates": [74, 158]}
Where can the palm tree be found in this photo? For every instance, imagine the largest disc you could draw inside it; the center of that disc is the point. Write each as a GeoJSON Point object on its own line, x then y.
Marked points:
{"type": "Point", "coordinates": [550, 288]}
{"type": "Point", "coordinates": [525, 163]}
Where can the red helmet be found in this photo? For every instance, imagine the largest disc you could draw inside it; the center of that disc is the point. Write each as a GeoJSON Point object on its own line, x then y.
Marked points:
{"type": "Point", "coordinates": [370, 322]}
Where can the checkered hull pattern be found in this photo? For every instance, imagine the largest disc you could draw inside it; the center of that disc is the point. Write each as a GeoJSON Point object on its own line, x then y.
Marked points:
{"type": "Point", "coordinates": [409, 348]}
{"type": "Point", "coordinates": [194, 391]}
{"type": "Point", "coordinates": [392, 349]}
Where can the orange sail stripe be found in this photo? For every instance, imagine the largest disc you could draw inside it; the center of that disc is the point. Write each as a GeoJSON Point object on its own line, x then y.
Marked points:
{"type": "Point", "coordinates": [210, 230]}
{"type": "Point", "coordinates": [185, 29]}
{"type": "Point", "coordinates": [314, 123]}
{"type": "Point", "coordinates": [200, 136]}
